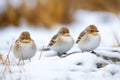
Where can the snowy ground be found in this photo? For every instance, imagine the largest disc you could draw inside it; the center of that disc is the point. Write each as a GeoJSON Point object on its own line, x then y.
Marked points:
{"type": "Point", "coordinates": [77, 66]}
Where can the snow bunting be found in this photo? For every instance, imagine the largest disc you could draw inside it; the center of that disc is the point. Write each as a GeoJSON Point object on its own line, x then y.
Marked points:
{"type": "Point", "coordinates": [24, 47]}
{"type": "Point", "coordinates": [89, 39]}
{"type": "Point", "coordinates": [61, 42]}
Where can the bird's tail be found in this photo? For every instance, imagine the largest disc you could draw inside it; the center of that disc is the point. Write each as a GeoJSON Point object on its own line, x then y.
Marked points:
{"type": "Point", "coordinates": [45, 49]}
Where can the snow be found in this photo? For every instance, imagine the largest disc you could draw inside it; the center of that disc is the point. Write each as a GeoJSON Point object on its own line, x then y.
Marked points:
{"type": "Point", "coordinates": [75, 66]}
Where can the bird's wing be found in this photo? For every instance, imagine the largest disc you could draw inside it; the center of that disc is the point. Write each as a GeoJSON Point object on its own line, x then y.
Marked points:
{"type": "Point", "coordinates": [53, 40]}
{"type": "Point", "coordinates": [80, 36]}
{"type": "Point", "coordinates": [16, 40]}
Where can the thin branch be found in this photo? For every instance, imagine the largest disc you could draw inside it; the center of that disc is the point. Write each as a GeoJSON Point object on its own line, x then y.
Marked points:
{"type": "Point", "coordinates": [41, 52]}
{"type": "Point", "coordinates": [7, 58]}
{"type": "Point", "coordinates": [117, 40]}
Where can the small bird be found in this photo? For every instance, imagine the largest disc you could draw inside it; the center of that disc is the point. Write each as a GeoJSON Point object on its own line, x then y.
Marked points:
{"type": "Point", "coordinates": [89, 39]}
{"type": "Point", "coordinates": [24, 47]}
{"type": "Point", "coordinates": [61, 42]}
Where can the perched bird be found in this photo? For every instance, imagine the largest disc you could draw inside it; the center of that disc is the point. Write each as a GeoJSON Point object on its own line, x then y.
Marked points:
{"type": "Point", "coordinates": [61, 42]}
{"type": "Point", "coordinates": [24, 47]}
{"type": "Point", "coordinates": [89, 39]}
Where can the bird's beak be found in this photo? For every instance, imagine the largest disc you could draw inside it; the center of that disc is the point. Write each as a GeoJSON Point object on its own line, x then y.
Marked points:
{"type": "Point", "coordinates": [97, 31]}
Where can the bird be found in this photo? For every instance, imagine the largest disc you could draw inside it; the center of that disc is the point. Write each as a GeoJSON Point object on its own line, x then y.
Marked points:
{"type": "Point", "coordinates": [24, 47]}
{"type": "Point", "coordinates": [89, 39]}
{"type": "Point", "coordinates": [61, 42]}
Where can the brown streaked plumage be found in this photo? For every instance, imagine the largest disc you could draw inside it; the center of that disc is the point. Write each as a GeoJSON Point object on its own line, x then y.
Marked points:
{"type": "Point", "coordinates": [80, 36]}
{"type": "Point", "coordinates": [53, 40]}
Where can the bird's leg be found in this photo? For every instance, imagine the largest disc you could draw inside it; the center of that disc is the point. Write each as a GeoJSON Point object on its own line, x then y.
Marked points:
{"type": "Point", "coordinates": [30, 60]}
{"type": "Point", "coordinates": [93, 52]}
{"type": "Point", "coordinates": [64, 54]}
{"type": "Point", "coordinates": [82, 51]}
{"type": "Point", "coordinates": [19, 62]}
{"type": "Point", "coordinates": [59, 54]}
{"type": "Point", "coordinates": [23, 62]}
{"type": "Point", "coordinates": [21, 59]}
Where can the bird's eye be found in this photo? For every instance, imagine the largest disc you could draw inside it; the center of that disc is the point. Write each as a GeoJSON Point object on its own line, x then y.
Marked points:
{"type": "Point", "coordinates": [91, 30]}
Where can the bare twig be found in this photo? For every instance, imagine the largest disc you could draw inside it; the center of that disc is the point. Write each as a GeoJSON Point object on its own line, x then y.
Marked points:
{"type": "Point", "coordinates": [7, 58]}
{"type": "Point", "coordinates": [41, 52]}
{"type": "Point", "coordinates": [117, 40]}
